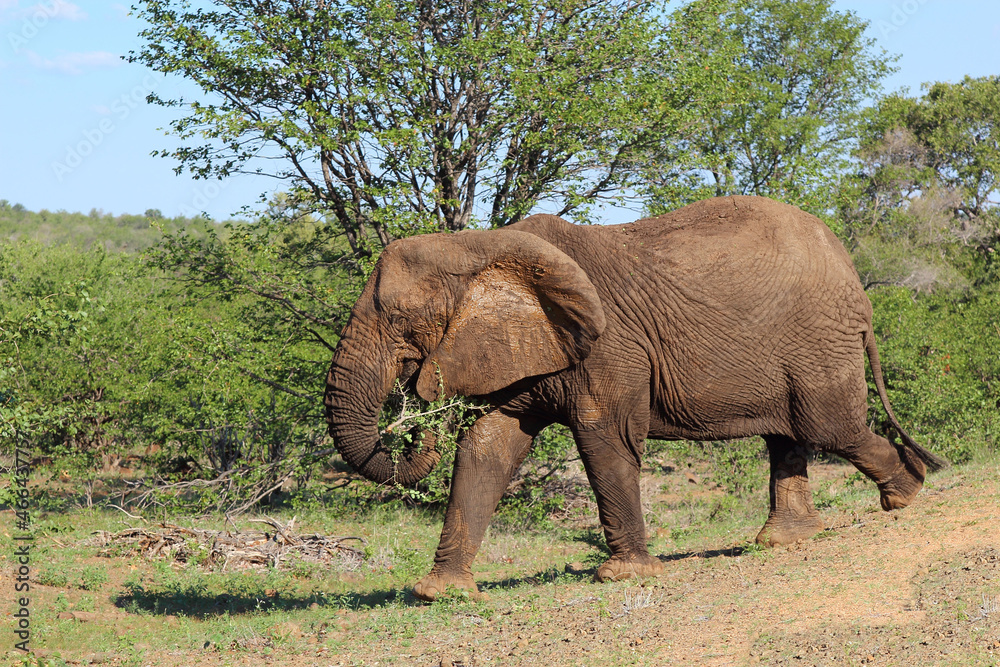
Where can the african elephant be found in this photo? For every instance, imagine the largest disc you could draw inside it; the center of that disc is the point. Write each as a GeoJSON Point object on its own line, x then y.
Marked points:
{"type": "Point", "coordinates": [728, 318]}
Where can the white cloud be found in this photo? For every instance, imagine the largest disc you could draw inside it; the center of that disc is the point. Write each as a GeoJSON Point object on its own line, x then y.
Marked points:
{"type": "Point", "coordinates": [43, 11]}
{"type": "Point", "coordinates": [75, 63]}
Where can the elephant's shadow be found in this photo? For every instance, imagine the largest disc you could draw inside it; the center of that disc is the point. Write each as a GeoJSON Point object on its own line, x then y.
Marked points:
{"type": "Point", "coordinates": [201, 604]}
{"type": "Point", "coordinates": [198, 603]}
{"type": "Point", "coordinates": [586, 573]}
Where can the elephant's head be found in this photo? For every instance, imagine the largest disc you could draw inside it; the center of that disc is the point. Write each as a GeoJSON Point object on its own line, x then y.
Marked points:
{"type": "Point", "coordinates": [467, 313]}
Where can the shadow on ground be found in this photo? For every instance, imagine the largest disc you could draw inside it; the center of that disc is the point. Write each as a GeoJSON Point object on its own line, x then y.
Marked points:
{"type": "Point", "coordinates": [731, 552]}
{"type": "Point", "coordinates": [571, 574]}
{"type": "Point", "coordinates": [195, 601]}
{"type": "Point", "coordinates": [201, 604]}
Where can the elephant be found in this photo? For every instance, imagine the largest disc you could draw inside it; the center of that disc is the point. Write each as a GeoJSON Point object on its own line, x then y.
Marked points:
{"type": "Point", "coordinates": [731, 317]}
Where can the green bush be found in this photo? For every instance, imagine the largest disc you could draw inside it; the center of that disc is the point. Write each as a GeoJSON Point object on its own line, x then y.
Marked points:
{"type": "Point", "coordinates": [941, 360]}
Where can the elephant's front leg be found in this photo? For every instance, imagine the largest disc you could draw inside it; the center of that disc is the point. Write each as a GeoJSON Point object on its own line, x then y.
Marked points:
{"type": "Point", "coordinates": [613, 470]}
{"type": "Point", "coordinates": [792, 515]}
{"type": "Point", "coordinates": [487, 457]}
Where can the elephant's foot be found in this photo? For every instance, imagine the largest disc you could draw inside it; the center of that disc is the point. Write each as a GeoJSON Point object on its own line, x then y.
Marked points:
{"type": "Point", "coordinates": [904, 484]}
{"type": "Point", "coordinates": [436, 584]}
{"type": "Point", "coordinates": [793, 516]}
{"type": "Point", "coordinates": [788, 529]}
{"type": "Point", "coordinates": [617, 568]}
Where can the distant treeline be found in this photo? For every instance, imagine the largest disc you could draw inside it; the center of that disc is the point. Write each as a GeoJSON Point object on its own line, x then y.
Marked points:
{"type": "Point", "coordinates": [125, 233]}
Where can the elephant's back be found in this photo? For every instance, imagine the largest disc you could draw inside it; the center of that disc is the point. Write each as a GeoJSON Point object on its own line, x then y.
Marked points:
{"type": "Point", "coordinates": [746, 252]}
{"type": "Point", "coordinates": [732, 228]}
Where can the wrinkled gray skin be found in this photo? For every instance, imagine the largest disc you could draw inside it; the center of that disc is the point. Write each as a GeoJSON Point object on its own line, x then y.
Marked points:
{"type": "Point", "coordinates": [728, 318]}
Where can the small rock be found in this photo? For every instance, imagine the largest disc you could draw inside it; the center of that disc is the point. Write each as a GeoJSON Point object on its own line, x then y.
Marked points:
{"type": "Point", "coordinates": [314, 606]}
{"type": "Point", "coordinates": [692, 478]}
{"type": "Point", "coordinates": [576, 568]}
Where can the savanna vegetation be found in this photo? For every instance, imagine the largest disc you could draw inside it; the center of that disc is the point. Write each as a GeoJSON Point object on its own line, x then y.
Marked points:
{"type": "Point", "coordinates": [174, 367]}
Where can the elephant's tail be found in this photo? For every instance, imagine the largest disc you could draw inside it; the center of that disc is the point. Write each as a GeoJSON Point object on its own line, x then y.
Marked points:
{"type": "Point", "coordinates": [932, 461]}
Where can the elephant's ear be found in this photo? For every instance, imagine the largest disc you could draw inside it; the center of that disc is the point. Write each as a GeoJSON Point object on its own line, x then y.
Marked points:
{"type": "Point", "coordinates": [529, 309]}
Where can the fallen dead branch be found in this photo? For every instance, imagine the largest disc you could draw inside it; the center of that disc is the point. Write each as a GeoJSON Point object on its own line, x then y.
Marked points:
{"type": "Point", "coordinates": [278, 548]}
{"type": "Point", "coordinates": [233, 495]}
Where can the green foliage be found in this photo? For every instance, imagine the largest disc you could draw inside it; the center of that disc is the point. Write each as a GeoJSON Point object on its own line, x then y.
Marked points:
{"type": "Point", "coordinates": [93, 578]}
{"type": "Point", "coordinates": [796, 76]}
{"type": "Point", "coordinates": [53, 577]}
{"type": "Point", "coordinates": [47, 313]}
{"type": "Point", "coordinates": [955, 126]}
{"type": "Point", "coordinates": [105, 355]}
{"type": "Point", "coordinates": [42, 661]}
{"type": "Point", "coordinates": [739, 466]}
{"type": "Point", "coordinates": [254, 319]}
{"type": "Point", "coordinates": [941, 360]}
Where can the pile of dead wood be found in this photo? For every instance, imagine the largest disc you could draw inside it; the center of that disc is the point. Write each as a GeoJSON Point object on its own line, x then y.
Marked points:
{"type": "Point", "coordinates": [237, 549]}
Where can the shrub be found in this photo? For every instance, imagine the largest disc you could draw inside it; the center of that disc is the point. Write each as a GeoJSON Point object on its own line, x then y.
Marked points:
{"type": "Point", "coordinates": [941, 361]}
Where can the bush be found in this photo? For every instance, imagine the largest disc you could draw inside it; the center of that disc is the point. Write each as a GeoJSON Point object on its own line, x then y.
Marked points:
{"type": "Point", "coordinates": [941, 361]}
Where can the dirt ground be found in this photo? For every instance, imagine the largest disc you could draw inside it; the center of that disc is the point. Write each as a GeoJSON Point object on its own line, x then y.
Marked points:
{"type": "Point", "coordinates": [915, 587]}
{"type": "Point", "coordinates": [919, 586]}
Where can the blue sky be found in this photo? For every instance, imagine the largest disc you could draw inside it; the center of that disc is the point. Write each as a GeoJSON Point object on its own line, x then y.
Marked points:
{"type": "Point", "coordinates": [76, 133]}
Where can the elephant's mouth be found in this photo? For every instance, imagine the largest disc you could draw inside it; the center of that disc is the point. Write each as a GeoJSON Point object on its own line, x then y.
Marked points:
{"type": "Point", "coordinates": [408, 375]}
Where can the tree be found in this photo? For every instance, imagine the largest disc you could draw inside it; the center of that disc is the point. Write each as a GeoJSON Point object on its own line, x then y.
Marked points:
{"type": "Point", "coordinates": [921, 208]}
{"type": "Point", "coordinates": [798, 73]}
{"type": "Point", "coordinates": [959, 124]}
{"type": "Point", "coordinates": [389, 119]}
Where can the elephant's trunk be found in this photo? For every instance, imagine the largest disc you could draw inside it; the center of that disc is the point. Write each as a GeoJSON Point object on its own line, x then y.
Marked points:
{"type": "Point", "coordinates": [356, 387]}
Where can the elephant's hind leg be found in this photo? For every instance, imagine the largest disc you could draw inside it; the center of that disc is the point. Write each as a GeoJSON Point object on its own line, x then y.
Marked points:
{"type": "Point", "coordinates": [487, 457]}
{"type": "Point", "coordinates": [792, 515]}
{"type": "Point", "coordinates": [834, 420]}
{"type": "Point", "coordinates": [897, 471]}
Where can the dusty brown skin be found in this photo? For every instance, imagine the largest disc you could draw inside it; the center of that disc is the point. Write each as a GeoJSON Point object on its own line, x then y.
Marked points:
{"type": "Point", "coordinates": [728, 318]}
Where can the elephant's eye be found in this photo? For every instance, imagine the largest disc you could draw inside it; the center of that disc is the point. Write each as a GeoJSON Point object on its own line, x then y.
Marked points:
{"type": "Point", "coordinates": [396, 319]}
